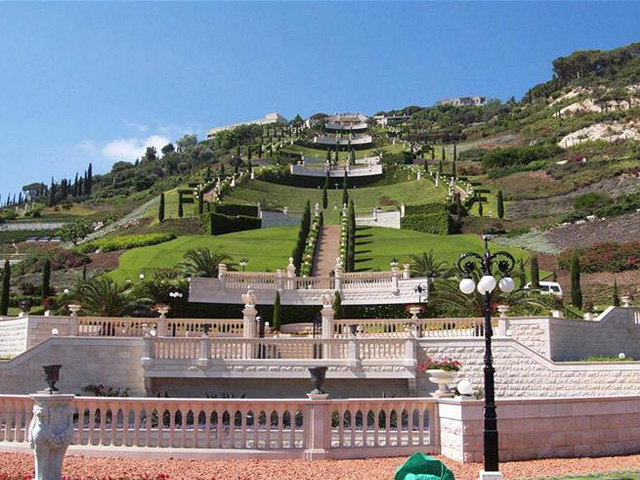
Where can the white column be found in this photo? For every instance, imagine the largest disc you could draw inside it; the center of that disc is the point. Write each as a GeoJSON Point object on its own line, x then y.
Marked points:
{"type": "Point", "coordinates": [317, 430]}
{"type": "Point", "coordinates": [222, 274]}
{"type": "Point", "coordinates": [205, 351]}
{"type": "Point", "coordinates": [503, 321]}
{"type": "Point", "coordinates": [327, 313]}
{"type": "Point", "coordinates": [74, 326]}
{"type": "Point", "coordinates": [291, 274]}
{"type": "Point", "coordinates": [280, 280]}
{"type": "Point", "coordinates": [339, 274]}
{"type": "Point", "coordinates": [162, 321]}
{"type": "Point", "coordinates": [50, 433]}
{"type": "Point", "coordinates": [406, 273]}
{"type": "Point", "coordinates": [395, 274]}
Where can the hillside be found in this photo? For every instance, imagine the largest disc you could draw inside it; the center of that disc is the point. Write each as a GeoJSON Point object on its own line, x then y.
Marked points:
{"type": "Point", "coordinates": [565, 155]}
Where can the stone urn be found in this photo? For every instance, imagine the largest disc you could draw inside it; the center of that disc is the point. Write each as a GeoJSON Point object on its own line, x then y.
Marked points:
{"type": "Point", "coordinates": [442, 378]}
{"type": "Point", "coordinates": [318, 375]}
{"type": "Point", "coordinates": [52, 376]}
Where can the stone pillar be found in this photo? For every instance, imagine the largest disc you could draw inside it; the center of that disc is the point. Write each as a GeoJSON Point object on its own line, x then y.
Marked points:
{"type": "Point", "coordinates": [147, 351]}
{"type": "Point", "coordinates": [406, 273]}
{"type": "Point", "coordinates": [419, 174]}
{"type": "Point", "coordinates": [259, 210]}
{"type": "Point", "coordinates": [317, 430]}
{"type": "Point", "coordinates": [50, 433]}
{"type": "Point", "coordinates": [327, 315]}
{"type": "Point", "coordinates": [316, 209]}
{"type": "Point", "coordinates": [461, 429]}
{"type": "Point", "coordinates": [74, 326]}
{"type": "Point", "coordinates": [402, 209]}
{"type": "Point", "coordinates": [163, 329]}
{"type": "Point", "coordinates": [395, 274]}
{"type": "Point", "coordinates": [626, 301]}
{"type": "Point", "coordinates": [205, 351]}
{"type": "Point", "coordinates": [222, 275]}
{"type": "Point", "coordinates": [253, 174]}
{"type": "Point", "coordinates": [375, 214]}
{"type": "Point", "coordinates": [339, 274]}
{"type": "Point", "coordinates": [280, 279]}
{"type": "Point", "coordinates": [249, 314]}
{"type": "Point", "coordinates": [503, 321]}
{"type": "Point", "coordinates": [291, 275]}
{"type": "Point", "coordinates": [437, 179]}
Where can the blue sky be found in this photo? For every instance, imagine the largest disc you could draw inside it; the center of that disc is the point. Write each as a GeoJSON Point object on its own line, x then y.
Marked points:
{"type": "Point", "coordinates": [99, 81]}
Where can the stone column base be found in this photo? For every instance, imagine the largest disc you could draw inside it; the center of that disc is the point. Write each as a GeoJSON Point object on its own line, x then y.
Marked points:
{"type": "Point", "coordinates": [490, 475]}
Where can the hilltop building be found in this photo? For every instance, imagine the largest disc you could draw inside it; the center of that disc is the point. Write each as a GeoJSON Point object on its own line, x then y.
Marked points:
{"type": "Point", "coordinates": [268, 119]}
{"type": "Point", "coordinates": [345, 130]}
{"type": "Point", "coordinates": [470, 101]}
{"type": "Point", "coordinates": [388, 120]}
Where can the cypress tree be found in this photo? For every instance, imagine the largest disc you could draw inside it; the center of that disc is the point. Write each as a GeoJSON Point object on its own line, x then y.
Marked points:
{"type": "Point", "coordinates": [207, 176]}
{"type": "Point", "coordinates": [222, 169]}
{"type": "Point", "coordinates": [576, 290]}
{"type": "Point", "coordinates": [480, 209]}
{"type": "Point", "coordinates": [6, 286]}
{"type": "Point", "coordinates": [249, 153]}
{"type": "Point", "coordinates": [276, 320]}
{"type": "Point", "coordinates": [433, 153]}
{"type": "Point", "coordinates": [351, 236]}
{"type": "Point", "coordinates": [616, 295]}
{"type": "Point", "coordinates": [455, 152]}
{"type": "Point", "coordinates": [89, 183]}
{"type": "Point", "coordinates": [444, 154]}
{"type": "Point", "coordinates": [325, 197]}
{"type": "Point", "coordinates": [84, 272]}
{"type": "Point", "coordinates": [535, 272]}
{"type": "Point", "coordinates": [337, 306]}
{"type": "Point", "coordinates": [161, 208]}
{"type": "Point", "coordinates": [345, 194]}
{"type": "Point", "coordinates": [440, 167]}
{"type": "Point", "coordinates": [500, 200]}
{"type": "Point", "coordinates": [180, 207]}
{"type": "Point", "coordinates": [453, 169]}
{"type": "Point", "coordinates": [200, 202]}
{"type": "Point", "coordinates": [522, 275]}
{"type": "Point", "coordinates": [46, 279]}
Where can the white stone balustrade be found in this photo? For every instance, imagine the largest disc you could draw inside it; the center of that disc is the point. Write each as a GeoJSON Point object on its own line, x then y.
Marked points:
{"type": "Point", "coordinates": [228, 428]}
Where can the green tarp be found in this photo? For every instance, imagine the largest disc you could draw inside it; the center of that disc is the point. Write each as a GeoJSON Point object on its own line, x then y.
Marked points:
{"type": "Point", "coordinates": [423, 467]}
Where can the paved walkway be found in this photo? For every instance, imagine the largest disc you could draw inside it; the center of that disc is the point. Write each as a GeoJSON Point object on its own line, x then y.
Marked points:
{"type": "Point", "coordinates": [327, 252]}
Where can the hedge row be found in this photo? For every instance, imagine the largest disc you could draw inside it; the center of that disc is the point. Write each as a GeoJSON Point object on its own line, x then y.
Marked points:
{"type": "Point", "coordinates": [110, 244]}
{"type": "Point", "coordinates": [310, 250]}
{"type": "Point", "coordinates": [283, 177]}
{"type": "Point", "coordinates": [427, 208]}
{"type": "Point", "coordinates": [303, 233]}
{"type": "Point", "coordinates": [218, 223]}
{"type": "Point", "coordinates": [438, 223]}
{"type": "Point", "coordinates": [235, 209]}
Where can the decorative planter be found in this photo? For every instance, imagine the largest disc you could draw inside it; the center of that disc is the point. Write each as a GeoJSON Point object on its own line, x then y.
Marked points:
{"type": "Point", "coordinates": [442, 378]}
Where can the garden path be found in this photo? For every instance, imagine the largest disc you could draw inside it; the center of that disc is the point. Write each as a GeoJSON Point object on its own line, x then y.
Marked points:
{"type": "Point", "coordinates": [327, 252]}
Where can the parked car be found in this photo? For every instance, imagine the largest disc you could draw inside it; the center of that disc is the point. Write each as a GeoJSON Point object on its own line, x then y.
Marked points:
{"type": "Point", "coordinates": [548, 288]}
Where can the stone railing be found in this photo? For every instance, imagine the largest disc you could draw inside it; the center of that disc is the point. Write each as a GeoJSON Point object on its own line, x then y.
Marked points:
{"type": "Point", "coordinates": [139, 327]}
{"type": "Point", "coordinates": [352, 171]}
{"type": "Point", "coordinates": [408, 327]}
{"type": "Point", "coordinates": [204, 349]}
{"type": "Point", "coordinates": [290, 428]}
{"type": "Point", "coordinates": [391, 287]}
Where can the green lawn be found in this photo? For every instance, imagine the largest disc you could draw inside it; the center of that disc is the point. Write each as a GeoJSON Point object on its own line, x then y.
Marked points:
{"type": "Point", "coordinates": [272, 195]}
{"type": "Point", "coordinates": [267, 249]}
{"type": "Point", "coordinates": [376, 246]}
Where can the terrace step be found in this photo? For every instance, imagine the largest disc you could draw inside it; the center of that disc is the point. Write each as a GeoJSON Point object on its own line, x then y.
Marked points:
{"type": "Point", "coordinates": [327, 252]}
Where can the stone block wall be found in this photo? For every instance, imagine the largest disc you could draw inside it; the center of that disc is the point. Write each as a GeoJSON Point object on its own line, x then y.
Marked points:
{"type": "Point", "coordinates": [13, 337]}
{"type": "Point", "coordinates": [543, 428]}
{"type": "Point", "coordinates": [108, 361]}
{"type": "Point", "coordinates": [521, 372]}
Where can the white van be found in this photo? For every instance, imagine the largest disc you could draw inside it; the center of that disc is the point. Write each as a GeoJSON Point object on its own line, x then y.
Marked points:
{"type": "Point", "coordinates": [548, 288]}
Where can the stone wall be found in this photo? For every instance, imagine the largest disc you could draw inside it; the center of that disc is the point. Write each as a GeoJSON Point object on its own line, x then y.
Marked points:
{"type": "Point", "coordinates": [615, 331]}
{"type": "Point", "coordinates": [13, 337]}
{"type": "Point", "coordinates": [108, 361]}
{"type": "Point", "coordinates": [521, 372]}
{"type": "Point", "coordinates": [543, 428]}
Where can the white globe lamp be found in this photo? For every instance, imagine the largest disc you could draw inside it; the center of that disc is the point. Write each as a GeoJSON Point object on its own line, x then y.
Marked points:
{"type": "Point", "coordinates": [507, 284]}
{"type": "Point", "coordinates": [465, 388]}
{"type": "Point", "coordinates": [467, 286]}
{"type": "Point", "coordinates": [486, 284]}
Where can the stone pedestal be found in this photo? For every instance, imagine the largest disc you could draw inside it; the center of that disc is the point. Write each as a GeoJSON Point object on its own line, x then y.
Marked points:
{"type": "Point", "coordinates": [490, 475]}
{"type": "Point", "coordinates": [50, 433]}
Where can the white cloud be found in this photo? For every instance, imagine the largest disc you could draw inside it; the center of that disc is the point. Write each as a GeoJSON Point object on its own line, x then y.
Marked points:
{"type": "Point", "coordinates": [130, 149]}
{"type": "Point", "coordinates": [88, 146]}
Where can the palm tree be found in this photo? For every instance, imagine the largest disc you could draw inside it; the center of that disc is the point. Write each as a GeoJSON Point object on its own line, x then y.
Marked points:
{"type": "Point", "coordinates": [202, 262]}
{"type": "Point", "coordinates": [447, 292]}
{"type": "Point", "coordinates": [103, 297]}
{"type": "Point", "coordinates": [426, 264]}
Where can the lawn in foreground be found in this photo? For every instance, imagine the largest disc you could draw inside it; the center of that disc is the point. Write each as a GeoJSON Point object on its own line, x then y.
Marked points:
{"type": "Point", "coordinates": [267, 249]}
{"type": "Point", "coordinates": [376, 246]}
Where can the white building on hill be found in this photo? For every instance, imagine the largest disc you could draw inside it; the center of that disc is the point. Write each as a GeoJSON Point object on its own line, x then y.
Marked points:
{"type": "Point", "coordinates": [470, 101]}
{"type": "Point", "coordinates": [268, 119]}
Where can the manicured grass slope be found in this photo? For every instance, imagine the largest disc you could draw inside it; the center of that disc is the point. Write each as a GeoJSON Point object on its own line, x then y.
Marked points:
{"type": "Point", "coordinates": [273, 195]}
{"type": "Point", "coordinates": [376, 246]}
{"type": "Point", "coordinates": [264, 249]}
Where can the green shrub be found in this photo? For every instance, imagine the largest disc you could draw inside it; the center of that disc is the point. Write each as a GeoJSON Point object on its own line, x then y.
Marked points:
{"type": "Point", "coordinates": [427, 208]}
{"type": "Point", "coordinates": [218, 224]}
{"type": "Point", "coordinates": [437, 223]}
{"type": "Point", "coordinates": [506, 157]}
{"type": "Point", "coordinates": [235, 209]}
{"type": "Point", "coordinates": [127, 242]}
{"type": "Point", "coordinates": [591, 201]}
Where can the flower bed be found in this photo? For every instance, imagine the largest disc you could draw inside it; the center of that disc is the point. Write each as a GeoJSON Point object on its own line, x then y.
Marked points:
{"type": "Point", "coordinates": [310, 246]}
{"type": "Point", "coordinates": [446, 364]}
{"type": "Point", "coordinates": [605, 257]}
{"type": "Point", "coordinates": [126, 242]}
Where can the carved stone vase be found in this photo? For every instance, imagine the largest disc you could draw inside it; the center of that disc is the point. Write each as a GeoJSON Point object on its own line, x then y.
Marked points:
{"type": "Point", "coordinates": [50, 433]}
{"type": "Point", "coordinates": [318, 375]}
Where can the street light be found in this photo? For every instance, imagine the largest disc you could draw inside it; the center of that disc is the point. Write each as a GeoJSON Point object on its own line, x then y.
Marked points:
{"type": "Point", "coordinates": [467, 265]}
{"type": "Point", "coordinates": [243, 263]}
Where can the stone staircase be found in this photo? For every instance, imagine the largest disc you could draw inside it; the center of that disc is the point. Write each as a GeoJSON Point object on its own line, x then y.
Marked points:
{"type": "Point", "coordinates": [384, 219]}
{"type": "Point", "coordinates": [328, 250]}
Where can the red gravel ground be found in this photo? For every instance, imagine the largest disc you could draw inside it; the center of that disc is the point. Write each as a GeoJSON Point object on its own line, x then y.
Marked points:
{"type": "Point", "coordinates": [19, 466]}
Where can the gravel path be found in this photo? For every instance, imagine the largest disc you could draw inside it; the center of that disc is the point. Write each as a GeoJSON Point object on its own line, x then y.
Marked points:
{"type": "Point", "coordinates": [19, 466]}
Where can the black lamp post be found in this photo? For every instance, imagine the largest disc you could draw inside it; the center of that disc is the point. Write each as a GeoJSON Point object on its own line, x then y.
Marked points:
{"type": "Point", "coordinates": [467, 264]}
